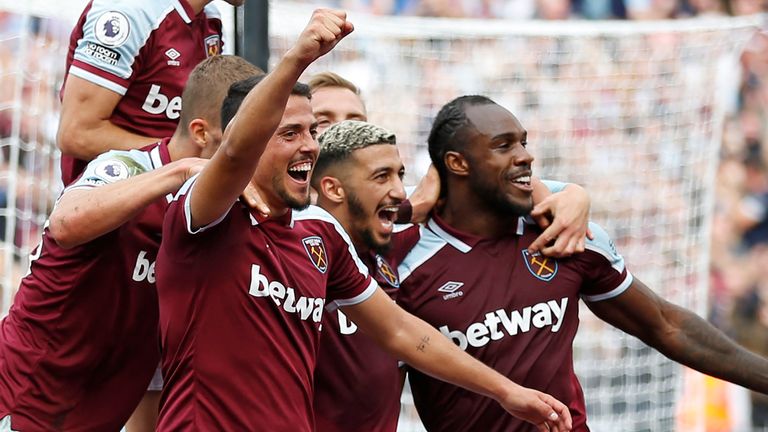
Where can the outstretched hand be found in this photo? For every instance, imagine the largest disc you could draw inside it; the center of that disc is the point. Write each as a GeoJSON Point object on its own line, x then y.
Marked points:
{"type": "Point", "coordinates": [541, 409]}
{"type": "Point", "coordinates": [564, 216]}
{"type": "Point", "coordinates": [325, 29]}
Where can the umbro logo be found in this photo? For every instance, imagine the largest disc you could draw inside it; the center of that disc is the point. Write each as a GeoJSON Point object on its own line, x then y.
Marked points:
{"type": "Point", "coordinates": [451, 289]}
{"type": "Point", "coordinates": [172, 54]}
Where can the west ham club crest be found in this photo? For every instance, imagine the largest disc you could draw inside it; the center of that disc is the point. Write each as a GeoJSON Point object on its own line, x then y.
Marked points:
{"type": "Point", "coordinates": [316, 252]}
{"type": "Point", "coordinates": [212, 45]}
{"type": "Point", "coordinates": [542, 267]}
{"type": "Point", "coordinates": [386, 272]}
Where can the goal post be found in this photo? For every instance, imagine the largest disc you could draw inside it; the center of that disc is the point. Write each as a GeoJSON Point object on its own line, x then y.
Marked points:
{"type": "Point", "coordinates": [633, 111]}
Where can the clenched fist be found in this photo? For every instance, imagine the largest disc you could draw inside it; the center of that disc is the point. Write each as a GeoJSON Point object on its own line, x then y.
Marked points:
{"type": "Point", "coordinates": [325, 29]}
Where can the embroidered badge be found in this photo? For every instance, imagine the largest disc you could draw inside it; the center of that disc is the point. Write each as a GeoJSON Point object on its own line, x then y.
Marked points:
{"type": "Point", "coordinates": [213, 45]}
{"type": "Point", "coordinates": [316, 252]}
{"type": "Point", "coordinates": [386, 272]}
{"type": "Point", "coordinates": [542, 267]}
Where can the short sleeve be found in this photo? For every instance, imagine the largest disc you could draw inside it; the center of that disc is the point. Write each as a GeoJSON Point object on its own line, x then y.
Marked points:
{"type": "Point", "coordinates": [113, 35]}
{"type": "Point", "coordinates": [113, 166]}
{"type": "Point", "coordinates": [554, 186]}
{"type": "Point", "coordinates": [349, 282]}
{"type": "Point", "coordinates": [184, 213]}
{"type": "Point", "coordinates": [604, 270]}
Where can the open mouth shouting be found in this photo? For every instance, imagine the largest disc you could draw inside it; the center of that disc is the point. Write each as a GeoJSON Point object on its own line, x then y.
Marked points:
{"type": "Point", "coordinates": [300, 170]}
{"type": "Point", "coordinates": [387, 215]}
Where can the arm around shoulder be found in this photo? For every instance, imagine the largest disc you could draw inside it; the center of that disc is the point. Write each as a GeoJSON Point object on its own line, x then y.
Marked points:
{"type": "Point", "coordinates": [85, 213]}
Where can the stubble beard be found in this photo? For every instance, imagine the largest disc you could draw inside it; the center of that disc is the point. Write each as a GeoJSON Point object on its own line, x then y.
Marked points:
{"type": "Point", "coordinates": [295, 203]}
{"type": "Point", "coordinates": [366, 236]}
{"type": "Point", "coordinates": [497, 200]}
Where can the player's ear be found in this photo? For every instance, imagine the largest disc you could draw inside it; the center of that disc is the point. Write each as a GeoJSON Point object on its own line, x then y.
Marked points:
{"type": "Point", "coordinates": [456, 163]}
{"type": "Point", "coordinates": [198, 131]}
{"type": "Point", "coordinates": [332, 190]}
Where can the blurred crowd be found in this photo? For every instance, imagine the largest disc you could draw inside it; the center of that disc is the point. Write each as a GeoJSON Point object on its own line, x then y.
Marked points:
{"type": "Point", "coordinates": [739, 281]}
{"type": "Point", "coordinates": [551, 9]}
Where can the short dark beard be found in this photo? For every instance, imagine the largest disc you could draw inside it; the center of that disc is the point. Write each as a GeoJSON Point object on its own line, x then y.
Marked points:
{"type": "Point", "coordinates": [497, 200]}
{"type": "Point", "coordinates": [293, 203]}
{"type": "Point", "coordinates": [357, 212]}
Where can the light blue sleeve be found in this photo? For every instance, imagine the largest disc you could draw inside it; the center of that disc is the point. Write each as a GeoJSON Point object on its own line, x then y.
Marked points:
{"type": "Point", "coordinates": [114, 32]}
{"type": "Point", "coordinates": [554, 186]}
{"type": "Point", "coordinates": [113, 166]}
{"type": "Point", "coordinates": [603, 245]}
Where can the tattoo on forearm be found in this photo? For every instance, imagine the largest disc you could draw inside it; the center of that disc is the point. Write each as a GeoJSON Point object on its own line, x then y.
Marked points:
{"type": "Point", "coordinates": [423, 344]}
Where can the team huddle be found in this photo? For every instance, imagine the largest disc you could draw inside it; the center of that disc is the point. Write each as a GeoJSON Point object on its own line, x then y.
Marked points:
{"type": "Point", "coordinates": [186, 281]}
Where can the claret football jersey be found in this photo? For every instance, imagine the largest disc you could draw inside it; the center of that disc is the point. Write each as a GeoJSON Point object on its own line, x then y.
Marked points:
{"type": "Point", "coordinates": [81, 342]}
{"type": "Point", "coordinates": [357, 383]}
{"type": "Point", "coordinates": [143, 50]}
{"type": "Point", "coordinates": [516, 312]}
{"type": "Point", "coordinates": [241, 306]}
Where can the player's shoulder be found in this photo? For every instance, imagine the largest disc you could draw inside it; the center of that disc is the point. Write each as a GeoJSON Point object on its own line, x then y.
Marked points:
{"type": "Point", "coordinates": [134, 161]}
{"type": "Point", "coordinates": [136, 9]}
{"type": "Point", "coordinates": [116, 20]}
{"type": "Point", "coordinates": [429, 240]}
{"type": "Point", "coordinates": [406, 235]}
{"type": "Point", "coordinates": [319, 218]}
{"type": "Point", "coordinates": [314, 213]}
{"type": "Point", "coordinates": [602, 243]}
{"type": "Point", "coordinates": [114, 165]}
{"type": "Point", "coordinates": [211, 11]}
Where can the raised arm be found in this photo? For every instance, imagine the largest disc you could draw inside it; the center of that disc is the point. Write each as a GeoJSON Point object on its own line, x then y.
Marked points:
{"type": "Point", "coordinates": [83, 214]}
{"type": "Point", "coordinates": [682, 336]}
{"type": "Point", "coordinates": [423, 347]}
{"type": "Point", "coordinates": [233, 165]}
{"type": "Point", "coordinates": [85, 130]}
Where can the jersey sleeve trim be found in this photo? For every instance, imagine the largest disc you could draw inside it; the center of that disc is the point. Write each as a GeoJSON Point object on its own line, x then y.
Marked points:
{"type": "Point", "coordinates": [603, 245]}
{"type": "Point", "coordinates": [612, 293]}
{"type": "Point", "coordinates": [363, 296]}
{"type": "Point", "coordinates": [428, 245]}
{"type": "Point", "coordinates": [98, 80]}
{"type": "Point", "coordinates": [182, 12]}
{"type": "Point", "coordinates": [448, 238]}
{"type": "Point", "coordinates": [397, 228]}
{"type": "Point", "coordinates": [186, 189]}
{"type": "Point", "coordinates": [115, 33]}
{"type": "Point", "coordinates": [317, 213]}
{"type": "Point", "coordinates": [554, 186]}
{"type": "Point", "coordinates": [154, 156]}
{"type": "Point", "coordinates": [112, 166]}
{"type": "Point", "coordinates": [212, 12]}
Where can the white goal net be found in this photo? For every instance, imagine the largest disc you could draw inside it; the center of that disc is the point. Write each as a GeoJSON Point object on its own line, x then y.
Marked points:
{"type": "Point", "coordinates": [633, 111]}
{"type": "Point", "coordinates": [34, 36]}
